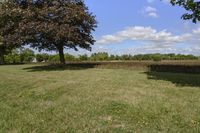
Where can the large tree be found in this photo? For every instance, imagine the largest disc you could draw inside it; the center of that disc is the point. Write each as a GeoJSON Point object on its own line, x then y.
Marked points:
{"type": "Point", "coordinates": [9, 21]}
{"type": "Point", "coordinates": [48, 24]}
{"type": "Point", "coordinates": [192, 6]}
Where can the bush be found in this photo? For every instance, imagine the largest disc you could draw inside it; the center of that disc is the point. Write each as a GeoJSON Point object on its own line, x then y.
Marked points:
{"type": "Point", "coordinates": [54, 58]}
{"type": "Point", "coordinates": [83, 57]}
{"type": "Point", "coordinates": [194, 69]}
{"type": "Point", "coordinates": [157, 58]}
{"type": "Point", "coordinates": [101, 56]}
{"type": "Point", "coordinates": [26, 55]}
{"type": "Point", "coordinates": [69, 57]}
{"type": "Point", "coordinates": [42, 57]}
{"type": "Point", "coordinates": [12, 58]}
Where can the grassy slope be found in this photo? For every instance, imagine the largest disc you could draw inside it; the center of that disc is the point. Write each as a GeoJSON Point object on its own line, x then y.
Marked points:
{"type": "Point", "coordinates": [96, 100]}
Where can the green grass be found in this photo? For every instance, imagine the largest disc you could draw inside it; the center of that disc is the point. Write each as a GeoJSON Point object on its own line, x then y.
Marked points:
{"type": "Point", "coordinates": [97, 100]}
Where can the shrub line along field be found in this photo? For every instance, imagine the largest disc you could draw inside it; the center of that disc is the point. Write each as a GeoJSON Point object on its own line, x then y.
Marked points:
{"type": "Point", "coordinates": [164, 66]}
{"type": "Point", "coordinates": [83, 97]}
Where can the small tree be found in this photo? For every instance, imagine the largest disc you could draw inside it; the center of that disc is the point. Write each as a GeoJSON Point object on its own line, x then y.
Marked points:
{"type": "Point", "coordinates": [48, 25]}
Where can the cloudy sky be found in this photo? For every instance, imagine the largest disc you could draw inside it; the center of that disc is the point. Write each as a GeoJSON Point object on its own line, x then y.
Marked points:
{"type": "Point", "coordinates": [142, 26]}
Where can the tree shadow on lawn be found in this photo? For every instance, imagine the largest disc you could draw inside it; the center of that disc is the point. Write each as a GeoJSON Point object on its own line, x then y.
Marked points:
{"type": "Point", "coordinates": [59, 67]}
{"type": "Point", "coordinates": [12, 64]}
{"type": "Point", "coordinates": [184, 76]}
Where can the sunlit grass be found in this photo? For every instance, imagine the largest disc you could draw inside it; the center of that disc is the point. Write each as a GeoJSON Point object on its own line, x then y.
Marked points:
{"type": "Point", "coordinates": [96, 100]}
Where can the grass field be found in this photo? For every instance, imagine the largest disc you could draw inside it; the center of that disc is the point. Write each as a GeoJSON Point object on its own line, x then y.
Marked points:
{"type": "Point", "coordinates": [97, 100]}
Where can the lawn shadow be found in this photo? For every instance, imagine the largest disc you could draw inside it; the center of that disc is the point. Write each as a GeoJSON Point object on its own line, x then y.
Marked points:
{"type": "Point", "coordinates": [12, 64]}
{"type": "Point", "coordinates": [58, 67]}
{"type": "Point", "coordinates": [179, 75]}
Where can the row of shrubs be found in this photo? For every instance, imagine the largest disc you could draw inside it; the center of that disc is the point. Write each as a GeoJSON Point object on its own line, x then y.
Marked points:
{"type": "Point", "coordinates": [102, 56]}
{"type": "Point", "coordinates": [27, 56]}
{"type": "Point", "coordinates": [19, 56]}
{"type": "Point", "coordinates": [177, 68]}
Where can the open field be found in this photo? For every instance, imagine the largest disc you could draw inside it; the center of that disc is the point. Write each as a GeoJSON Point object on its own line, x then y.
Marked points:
{"type": "Point", "coordinates": [35, 98]}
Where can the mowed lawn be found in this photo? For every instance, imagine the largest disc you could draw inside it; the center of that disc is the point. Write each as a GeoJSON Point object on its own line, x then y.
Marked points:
{"type": "Point", "coordinates": [97, 100]}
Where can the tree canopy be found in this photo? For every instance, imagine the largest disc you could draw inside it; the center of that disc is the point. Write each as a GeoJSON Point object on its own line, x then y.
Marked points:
{"type": "Point", "coordinates": [193, 8]}
{"type": "Point", "coordinates": [47, 24]}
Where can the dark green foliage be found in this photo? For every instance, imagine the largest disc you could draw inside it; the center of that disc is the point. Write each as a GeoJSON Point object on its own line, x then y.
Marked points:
{"type": "Point", "coordinates": [165, 66]}
{"type": "Point", "coordinates": [155, 57]}
{"type": "Point", "coordinates": [192, 6]}
{"type": "Point", "coordinates": [13, 57]}
{"type": "Point", "coordinates": [176, 68]}
{"type": "Point", "coordinates": [184, 78]}
{"type": "Point", "coordinates": [42, 57]}
{"type": "Point", "coordinates": [54, 58]}
{"type": "Point", "coordinates": [126, 57]}
{"type": "Point", "coordinates": [101, 56]}
{"type": "Point", "coordinates": [112, 57]}
{"type": "Point", "coordinates": [83, 57]}
{"type": "Point", "coordinates": [19, 56]}
{"type": "Point", "coordinates": [27, 55]}
{"type": "Point", "coordinates": [69, 57]}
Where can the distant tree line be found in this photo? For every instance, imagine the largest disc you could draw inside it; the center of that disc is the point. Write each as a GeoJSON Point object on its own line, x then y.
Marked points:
{"type": "Point", "coordinates": [59, 24]}
{"type": "Point", "coordinates": [128, 57]}
{"type": "Point", "coordinates": [25, 55]}
{"type": "Point", "coordinates": [19, 56]}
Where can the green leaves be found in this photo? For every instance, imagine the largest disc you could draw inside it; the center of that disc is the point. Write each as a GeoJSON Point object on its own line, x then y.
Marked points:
{"type": "Point", "coordinates": [193, 8]}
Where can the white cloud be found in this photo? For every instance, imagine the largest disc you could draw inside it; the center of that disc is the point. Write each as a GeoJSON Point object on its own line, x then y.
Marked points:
{"type": "Point", "coordinates": [153, 15]}
{"type": "Point", "coordinates": [150, 11]}
{"type": "Point", "coordinates": [146, 34]}
{"type": "Point", "coordinates": [110, 38]}
{"type": "Point", "coordinates": [153, 41]}
{"type": "Point", "coordinates": [177, 50]}
{"type": "Point", "coordinates": [196, 31]}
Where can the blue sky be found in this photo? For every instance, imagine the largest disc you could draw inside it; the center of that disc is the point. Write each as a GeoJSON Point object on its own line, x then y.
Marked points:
{"type": "Point", "coordinates": [140, 27]}
{"type": "Point", "coordinates": [114, 15]}
{"type": "Point", "coordinates": [158, 24]}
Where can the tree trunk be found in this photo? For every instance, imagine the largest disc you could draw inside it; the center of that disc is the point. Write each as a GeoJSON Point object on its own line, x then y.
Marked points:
{"type": "Point", "coordinates": [61, 54]}
{"type": "Point", "coordinates": [2, 58]}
